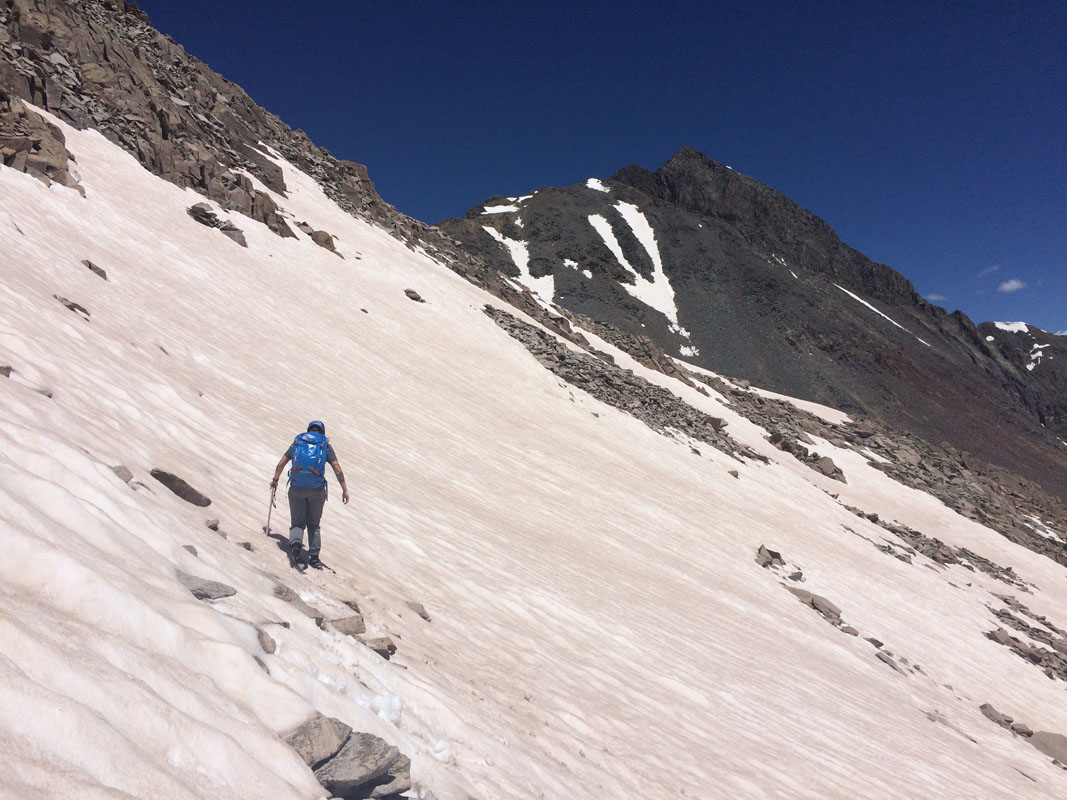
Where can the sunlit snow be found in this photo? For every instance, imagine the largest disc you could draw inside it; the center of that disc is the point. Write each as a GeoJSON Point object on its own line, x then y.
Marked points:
{"type": "Point", "coordinates": [1012, 327]}
{"type": "Point", "coordinates": [596, 183]}
{"type": "Point", "coordinates": [599, 625]}
{"type": "Point", "coordinates": [879, 313]}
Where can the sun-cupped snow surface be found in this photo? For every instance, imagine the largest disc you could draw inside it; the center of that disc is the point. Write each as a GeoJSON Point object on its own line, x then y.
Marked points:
{"type": "Point", "coordinates": [879, 313]}
{"type": "Point", "coordinates": [656, 292]}
{"type": "Point", "coordinates": [599, 626]}
{"type": "Point", "coordinates": [545, 286]}
{"type": "Point", "coordinates": [1012, 327]}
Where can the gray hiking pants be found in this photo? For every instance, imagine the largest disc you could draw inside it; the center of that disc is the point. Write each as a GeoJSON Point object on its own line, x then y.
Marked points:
{"type": "Point", "coordinates": [305, 511]}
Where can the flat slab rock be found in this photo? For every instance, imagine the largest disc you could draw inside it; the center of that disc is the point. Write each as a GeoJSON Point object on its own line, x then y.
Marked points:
{"type": "Point", "coordinates": [181, 488]}
{"type": "Point", "coordinates": [319, 739]}
{"type": "Point", "coordinates": [203, 589]}
{"type": "Point", "coordinates": [366, 766]}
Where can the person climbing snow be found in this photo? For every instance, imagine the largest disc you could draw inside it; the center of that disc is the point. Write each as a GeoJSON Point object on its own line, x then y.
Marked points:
{"type": "Point", "coordinates": [310, 452]}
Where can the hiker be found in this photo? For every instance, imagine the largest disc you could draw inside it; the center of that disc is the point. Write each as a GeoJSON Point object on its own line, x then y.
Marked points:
{"type": "Point", "coordinates": [309, 452]}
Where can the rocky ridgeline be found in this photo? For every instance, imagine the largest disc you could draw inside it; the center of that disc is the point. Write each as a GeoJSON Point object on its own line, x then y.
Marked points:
{"type": "Point", "coordinates": [658, 408]}
{"type": "Point", "coordinates": [99, 64]}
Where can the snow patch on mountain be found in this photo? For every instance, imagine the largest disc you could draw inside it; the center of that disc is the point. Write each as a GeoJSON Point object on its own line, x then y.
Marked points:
{"type": "Point", "coordinates": [1012, 327]}
{"type": "Point", "coordinates": [499, 209]}
{"type": "Point", "coordinates": [656, 292]}
{"type": "Point", "coordinates": [596, 183]}
{"type": "Point", "coordinates": [1036, 355]}
{"type": "Point", "coordinates": [545, 287]}
{"type": "Point", "coordinates": [879, 313]}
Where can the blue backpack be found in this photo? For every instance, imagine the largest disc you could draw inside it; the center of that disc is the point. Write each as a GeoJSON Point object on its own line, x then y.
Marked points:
{"type": "Point", "coordinates": [309, 453]}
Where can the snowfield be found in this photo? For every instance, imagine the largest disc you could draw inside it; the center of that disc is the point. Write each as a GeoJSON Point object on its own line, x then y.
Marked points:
{"type": "Point", "coordinates": [599, 625]}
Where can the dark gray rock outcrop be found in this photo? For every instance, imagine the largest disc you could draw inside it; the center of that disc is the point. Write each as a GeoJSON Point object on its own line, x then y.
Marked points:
{"type": "Point", "coordinates": [365, 766]}
{"type": "Point", "coordinates": [181, 488]}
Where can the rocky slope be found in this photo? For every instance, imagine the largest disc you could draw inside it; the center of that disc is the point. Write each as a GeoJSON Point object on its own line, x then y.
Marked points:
{"type": "Point", "coordinates": [730, 275]}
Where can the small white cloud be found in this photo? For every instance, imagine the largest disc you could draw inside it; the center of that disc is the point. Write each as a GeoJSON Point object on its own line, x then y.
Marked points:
{"type": "Point", "coordinates": [937, 298]}
{"type": "Point", "coordinates": [1013, 285]}
{"type": "Point", "coordinates": [988, 270]}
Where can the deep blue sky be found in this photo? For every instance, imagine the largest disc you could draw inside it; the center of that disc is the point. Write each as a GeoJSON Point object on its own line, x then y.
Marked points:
{"type": "Point", "coordinates": [930, 136]}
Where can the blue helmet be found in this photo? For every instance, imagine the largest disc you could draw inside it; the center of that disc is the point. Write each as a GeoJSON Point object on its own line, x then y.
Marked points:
{"type": "Point", "coordinates": [317, 425]}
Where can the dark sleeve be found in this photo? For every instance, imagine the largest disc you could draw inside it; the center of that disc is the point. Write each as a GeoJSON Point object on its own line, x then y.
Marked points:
{"type": "Point", "coordinates": [288, 453]}
{"type": "Point", "coordinates": [331, 456]}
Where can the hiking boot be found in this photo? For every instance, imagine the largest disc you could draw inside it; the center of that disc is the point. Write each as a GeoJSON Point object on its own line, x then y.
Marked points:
{"type": "Point", "coordinates": [295, 552]}
{"type": "Point", "coordinates": [314, 563]}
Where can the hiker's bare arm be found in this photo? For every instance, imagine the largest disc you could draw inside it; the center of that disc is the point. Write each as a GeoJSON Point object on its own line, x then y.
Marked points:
{"type": "Point", "coordinates": [340, 479]}
{"type": "Point", "coordinates": [278, 469]}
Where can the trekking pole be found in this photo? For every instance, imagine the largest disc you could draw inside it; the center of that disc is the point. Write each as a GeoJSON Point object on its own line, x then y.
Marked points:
{"type": "Point", "coordinates": [269, 509]}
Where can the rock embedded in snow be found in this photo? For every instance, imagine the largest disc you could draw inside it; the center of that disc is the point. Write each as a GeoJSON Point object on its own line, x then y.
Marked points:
{"type": "Point", "coordinates": [283, 592]}
{"type": "Point", "coordinates": [5, 371]}
{"type": "Point", "coordinates": [234, 233]}
{"type": "Point", "coordinates": [323, 239]}
{"type": "Point", "coordinates": [1051, 744]}
{"type": "Point", "coordinates": [350, 626]}
{"type": "Point", "coordinates": [94, 269]}
{"type": "Point", "coordinates": [266, 641]}
{"type": "Point", "coordinates": [203, 589]}
{"type": "Point", "coordinates": [363, 761]}
{"type": "Point", "coordinates": [319, 738]}
{"type": "Point", "coordinates": [419, 609]}
{"type": "Point", "coordinates": [414, 295]}
{"type": "Point", "coordinates": [382, 645]}
{"type": "Point", "coordinates": [181, 488]}
{"type": "Point", "coordinates": [191, 549]}
{"type": "Point", "coordinates": [72, 306]}
{"type": "Point", "coordinates": [123, 473]}
{"type": "Point", "coordinates": [769, 558]}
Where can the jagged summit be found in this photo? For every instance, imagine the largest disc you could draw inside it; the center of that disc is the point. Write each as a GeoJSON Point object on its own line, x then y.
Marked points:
{"type": "Point", "coordinates": [726, 272]}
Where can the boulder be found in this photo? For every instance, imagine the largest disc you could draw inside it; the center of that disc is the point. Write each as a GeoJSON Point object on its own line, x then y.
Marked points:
{"type": "Point", "coordinates": [181, 488]}
{"type": "Point", "coordinates": [827, 609]}
{"type": "Point", "coordinates": [382, 645]}
{"type": "Point", "coordinates": [72, 306]}
{"type": "Point", "coordinates": [419, 609]}
{"type": "Point", "coordinates": [362, 761]}
{"type": "Point", "coordinates": [1051, 744]}
{"type": "Point", "coordinates": [94, 269]}
{"type": "Point", "coordinates": [350, 626]}
{"type": "Point", "coordinates": [318, 739]}
{"type": "Point", "coordinates": [323, 239]}
{"type": "Point", "coordinates": [411, 293]}
{"type": "Point", "coordinates": [203, 589]}
{"type": "Point", "coordinates": [283, 592]}
{"type": "Point", "coordinates": [266, 641]}
{"type": "Point", "coordinates": [769, 558]}
{"type": "Point", "coordinates": [994, 715]}
{"type": "Point", "coordinates": [233, 232]}
{"type": "Point", "coordinates": [122, 472]}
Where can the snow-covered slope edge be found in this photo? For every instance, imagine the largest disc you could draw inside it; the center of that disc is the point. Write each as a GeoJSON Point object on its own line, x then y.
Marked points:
{"type": "Point", "coordinates": [600, 626]}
